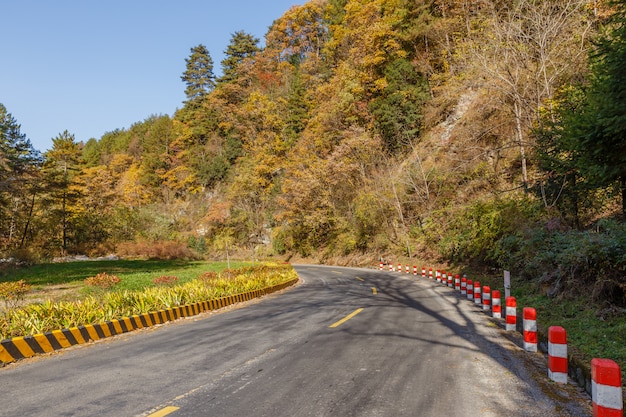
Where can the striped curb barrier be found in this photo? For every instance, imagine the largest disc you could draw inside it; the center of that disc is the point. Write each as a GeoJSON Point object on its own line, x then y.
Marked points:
{"type": "Point", "coordinates": [606, 388]}
{"type": "Point", "coordinates": [407, 268]}
{"type": "Point", "coordinates": [430, 273]}
{"type": "Point", "coordinates": [450, 280]}
{"type": "Point", "coordinates": [380, 266]}
{"type": "Point", "coordinates": [477, 293]}
{"type": "Point", "coordinates": [486, 298]}
{"type": "Point", "coordinates": [464, 286]}
{"type": "Point", "coordinates": [496, 305]}
{"type": "Point", "coordinates": [470, 290]}
{"type": "Point", "coordinates": [511, 314]}
{"type": "Point", "coordinates": [557, 354]}
{"type": "Point", "coordinates": [21, 347]}
{"type": "Point", "coordinates": [423, 272]}
{"type": "Point", "coordinates": [457, 282]}
{"type": "Point", "coordinates": [529, 320]}
{"type": "Point", "coordinates": [400, 268]}
{"type": "Point", "coordinates": [438, 276]}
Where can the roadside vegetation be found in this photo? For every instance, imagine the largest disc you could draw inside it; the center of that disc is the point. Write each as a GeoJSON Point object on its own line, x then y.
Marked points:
{"type": "Point", "coordinates": [104, 296]}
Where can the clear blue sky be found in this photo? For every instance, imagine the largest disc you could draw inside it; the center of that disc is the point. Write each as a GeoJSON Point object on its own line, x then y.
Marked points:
{"type": "Point", "coordinates": [90, 67]}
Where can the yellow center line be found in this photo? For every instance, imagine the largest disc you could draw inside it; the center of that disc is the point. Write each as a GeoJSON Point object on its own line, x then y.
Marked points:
{"type": "Point", "coordinates": [163, 412]}
{"type": "Point", "coordinates": [346, 318]}
{"type": "Point", "coordinates": [374, 291]}
{"type": "Point", "coordinates": [360, 279]}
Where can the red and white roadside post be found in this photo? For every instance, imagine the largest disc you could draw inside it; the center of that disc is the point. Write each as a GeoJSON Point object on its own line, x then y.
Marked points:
{"type": "Point", "coordinates": [511, 314]}
{"type": "Point", "coordinates": [457, 282]}
{"type": "Point", "coordinates": [477, 295]}
{"type": "Point", "coordinates": [438, 275]}
{"type": "Point", "coordinates": [400, 268]}
{"type": "Point", "coordinates": [444, 277]}
{"type": "Point", "coordinates": [430, 273]}
{"type": "Point", "coordinates": [557, 354]}
{"type": "Point", "coordinates": [380, 266]}
{"type": "Point", "coordinates": [415, 270]}
{"type": "Point", "coordinates": [450, 280]}
{"type": "Point", "coordinates": [470, 290]}
{"type": "Point", "coordinates": [423, 272]}
{"type": "Point", "coordinates": [606, 388]}
{"type": "Point", "coordinates": [530, 329]}
{"type": "Point", "coordinates": [407, 269]}
{"type": "Point", "coordinates": [496, 305]}
{"type": "Point", "coordinates": [464, 286]}
{"type": "Point", "coordinates": [486, 298]}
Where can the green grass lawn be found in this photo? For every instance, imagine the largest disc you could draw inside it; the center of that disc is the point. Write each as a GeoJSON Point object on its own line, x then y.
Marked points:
{"type": "Point", "coordinates": [135, 274]}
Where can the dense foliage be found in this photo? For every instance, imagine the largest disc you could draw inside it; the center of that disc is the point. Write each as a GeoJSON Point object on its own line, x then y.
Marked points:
{"type": "Point", "coordinates": [485, 131]}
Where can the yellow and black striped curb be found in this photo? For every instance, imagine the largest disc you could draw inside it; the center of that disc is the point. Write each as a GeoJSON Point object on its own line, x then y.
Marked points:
{"type": "Point", "coordinates": [17, 348]}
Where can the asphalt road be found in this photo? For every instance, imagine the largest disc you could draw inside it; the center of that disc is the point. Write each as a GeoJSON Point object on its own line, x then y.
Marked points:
{"type": "Point", "coordinates": [344, 342]}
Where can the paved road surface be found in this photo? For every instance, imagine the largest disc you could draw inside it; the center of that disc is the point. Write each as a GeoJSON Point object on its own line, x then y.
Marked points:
{"type": "Point", "coordinates": [399, 346]}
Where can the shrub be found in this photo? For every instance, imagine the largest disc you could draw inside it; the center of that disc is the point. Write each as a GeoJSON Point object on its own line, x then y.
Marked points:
{"type": "Point", "coordinates": [208, 276]}
{"type": "Point", "coordinates": [103, 281]}
{"type": "Point", "coordinates": [13, 292]}
{"type": "Point", "coordinates": [156, 250]}
{"type": "Point", "coordinates": [165, 281]}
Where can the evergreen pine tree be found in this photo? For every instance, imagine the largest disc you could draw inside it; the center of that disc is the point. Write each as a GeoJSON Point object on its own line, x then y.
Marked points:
{"type": "Point", "coordinates": [242, 45]}
{"type": "Point", "coordinates": [601, 129]}
{"type": "Point", "coordinates": [198, 76]}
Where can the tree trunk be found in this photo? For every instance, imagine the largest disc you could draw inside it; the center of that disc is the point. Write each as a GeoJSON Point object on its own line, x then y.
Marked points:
{"type": "Point", "coordinates": [29, 218]}
{"type": "Point", "coordinates": [622, 183]}
{"type": "Point", "coordinates": [520, 140]}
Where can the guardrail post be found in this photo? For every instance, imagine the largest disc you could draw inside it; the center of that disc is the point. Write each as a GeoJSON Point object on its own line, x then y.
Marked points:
{"type": "Point", "coordinates": [477, 295]}
{"type": "Point", "coordinates": [496, 306]}
{"type": "Point", "coordinates": [606, 388]}
{"type": "Point", "coordinates": [486, 298]}
{"type": "Point", "coordinates": [557, 354]}
{"type": "Point", "coordinates": [511, 314]}
{"type": "Point", "coordinates": [530, 329]}
{"type": "Point", "coordinates": [470, 290]}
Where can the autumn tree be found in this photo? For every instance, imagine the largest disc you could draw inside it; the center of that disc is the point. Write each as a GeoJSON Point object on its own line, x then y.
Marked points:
{"type": "Point", "coordinates": [530, 49]}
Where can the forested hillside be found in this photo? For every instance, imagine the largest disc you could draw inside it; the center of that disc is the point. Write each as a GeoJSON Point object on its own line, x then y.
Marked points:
{"type": "Point", "coordinates": [450, 130]}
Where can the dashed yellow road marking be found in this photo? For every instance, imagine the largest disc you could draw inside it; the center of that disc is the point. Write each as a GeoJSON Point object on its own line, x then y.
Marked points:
{"type": "Point", "coordinates": [346, 318]}
{"type": "Point", "coordinates": [360, 279]}
{"type": "Point", "coordinates": [164, 411]}
{"type": "Point", "coordinates": [374, 291]}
